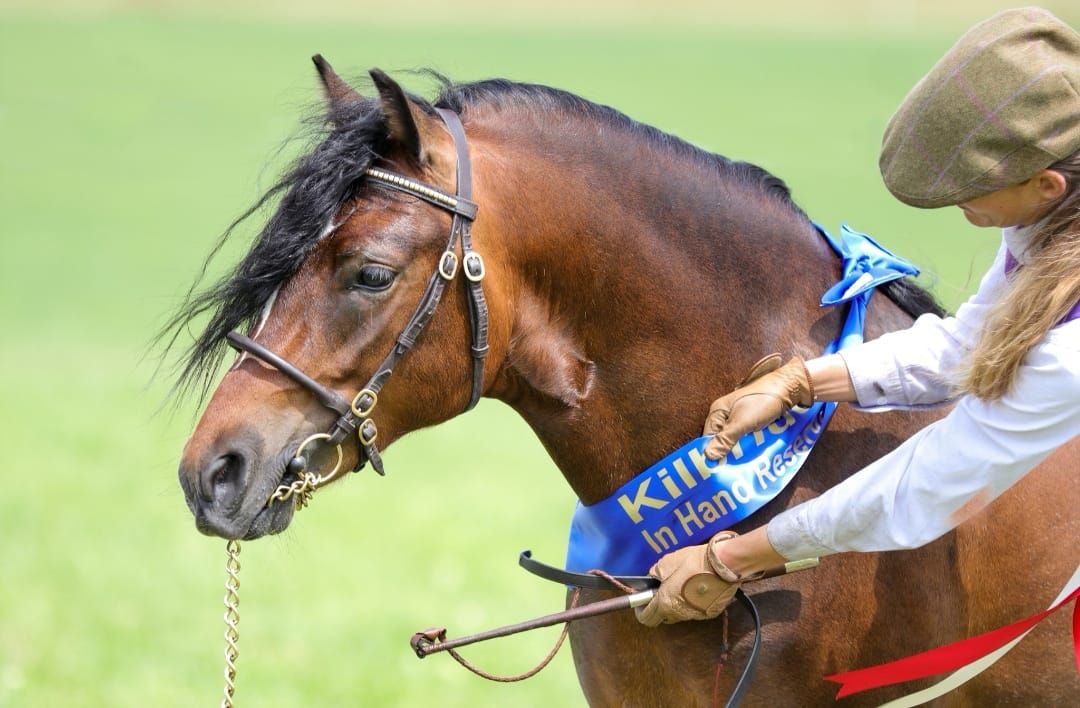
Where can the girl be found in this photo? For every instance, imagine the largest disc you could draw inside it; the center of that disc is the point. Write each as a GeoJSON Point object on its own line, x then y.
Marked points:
{"type": "Point", "coordinates": [994, 128]}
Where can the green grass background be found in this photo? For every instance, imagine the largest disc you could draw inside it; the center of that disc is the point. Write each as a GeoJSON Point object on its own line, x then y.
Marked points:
{"type": "Point", "coordinates": [131, 134]}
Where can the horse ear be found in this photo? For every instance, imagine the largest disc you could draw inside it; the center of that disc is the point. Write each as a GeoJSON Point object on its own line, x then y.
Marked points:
{"type": "Point", "coordinates": [408, 125]}
{"type": "Point", "coordinates": [338, 93]}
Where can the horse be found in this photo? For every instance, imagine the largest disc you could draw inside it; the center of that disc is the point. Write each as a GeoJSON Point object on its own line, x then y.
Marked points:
{"type": "Point", "coordinates": [631, 278]}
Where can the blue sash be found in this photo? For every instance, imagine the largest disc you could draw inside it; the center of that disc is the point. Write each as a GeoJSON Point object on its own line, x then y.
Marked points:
{"type": "Point", "coordinates": [683, 499]}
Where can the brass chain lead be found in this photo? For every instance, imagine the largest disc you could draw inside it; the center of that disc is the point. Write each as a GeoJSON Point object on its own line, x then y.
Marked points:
{"type": "Point", "coordinates": [302, 489]}
{"type": "Point", "coordinates": [232, 619]}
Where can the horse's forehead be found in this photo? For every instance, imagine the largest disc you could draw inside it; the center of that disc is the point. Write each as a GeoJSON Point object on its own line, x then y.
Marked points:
{"type": "Point", "coordinates": [388, 224]}
{"type": "Point", "coordinates": [360, 223]}
{"type": "Point", "coordinates": [308, 273]}
{"type": "Point", "coordinates": [380, 225]}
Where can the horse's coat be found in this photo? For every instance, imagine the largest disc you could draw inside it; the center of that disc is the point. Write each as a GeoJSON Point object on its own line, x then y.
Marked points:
{"type": "Point", "coordinates": [631, 279]}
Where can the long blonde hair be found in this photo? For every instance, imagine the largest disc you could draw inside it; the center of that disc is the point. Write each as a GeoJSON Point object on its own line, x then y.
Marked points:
{"type": "Point", "coordinates": [1039, 295]}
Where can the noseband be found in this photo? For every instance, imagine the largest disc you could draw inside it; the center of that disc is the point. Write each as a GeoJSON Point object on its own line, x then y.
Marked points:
{"type": "Point", "coordinates": [354, 416]}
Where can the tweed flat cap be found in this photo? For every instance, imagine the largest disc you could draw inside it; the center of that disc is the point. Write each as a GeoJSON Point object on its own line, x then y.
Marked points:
{"type": "Point", "coordinates": [1001, 105]}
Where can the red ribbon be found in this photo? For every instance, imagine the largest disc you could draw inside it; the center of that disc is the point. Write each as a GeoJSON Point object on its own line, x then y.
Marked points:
{"type": "Point", "coordinates": [951, 656]}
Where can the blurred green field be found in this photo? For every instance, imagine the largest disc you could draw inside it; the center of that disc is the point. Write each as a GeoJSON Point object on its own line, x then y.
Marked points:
{"type": "Point", "coordinates": [128, 140]}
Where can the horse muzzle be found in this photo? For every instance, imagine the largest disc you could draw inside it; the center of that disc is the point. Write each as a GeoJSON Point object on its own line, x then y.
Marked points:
{"type": "Point", "coordinates": [227, 490]}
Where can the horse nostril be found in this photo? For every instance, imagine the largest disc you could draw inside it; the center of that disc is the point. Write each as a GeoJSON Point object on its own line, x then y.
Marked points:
{"type": "Point", "coordinates": [222, 478]}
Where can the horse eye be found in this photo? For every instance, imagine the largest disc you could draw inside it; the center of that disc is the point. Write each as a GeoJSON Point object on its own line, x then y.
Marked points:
{"type": "Point", "coordinates": [373, 277]}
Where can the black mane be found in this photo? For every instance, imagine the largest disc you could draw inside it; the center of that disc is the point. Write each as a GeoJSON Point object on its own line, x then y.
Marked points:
{"type": "Point", "coordinates": [350, 139]}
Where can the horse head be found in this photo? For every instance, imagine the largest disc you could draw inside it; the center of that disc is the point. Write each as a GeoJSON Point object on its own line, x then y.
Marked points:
{"type": "Point", "coordinates": [329, 287]}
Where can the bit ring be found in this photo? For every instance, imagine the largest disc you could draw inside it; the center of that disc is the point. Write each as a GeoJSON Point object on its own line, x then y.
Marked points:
{"type": "Point", "coordinates": [340, 456]}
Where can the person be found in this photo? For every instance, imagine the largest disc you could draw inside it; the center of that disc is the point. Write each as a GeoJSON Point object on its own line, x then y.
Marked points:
{"type": "Point", "coordinates": [994, 128]}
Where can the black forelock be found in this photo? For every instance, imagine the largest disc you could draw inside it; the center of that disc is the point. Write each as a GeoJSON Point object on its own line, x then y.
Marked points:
{"type": "Point", "coordinates": [311, 192]}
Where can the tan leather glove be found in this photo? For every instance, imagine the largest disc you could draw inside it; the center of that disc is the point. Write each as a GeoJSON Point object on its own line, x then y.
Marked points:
{"type": "Point", "coordinates": [763, 396]}
{"type": "Point", "coordinates": [694, 584]}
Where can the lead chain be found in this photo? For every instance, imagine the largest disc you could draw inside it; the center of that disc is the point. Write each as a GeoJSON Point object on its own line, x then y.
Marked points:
{"type": "Point", "coordinates": [302, 489]}
{"type": "Point", "coordinates": [232, 619]}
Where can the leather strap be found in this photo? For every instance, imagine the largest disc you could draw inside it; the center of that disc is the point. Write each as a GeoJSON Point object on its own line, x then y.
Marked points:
{"type": "Point", "coordinates": [472, 264]}
{"type": "Point", "coordinates": [583, 580]}
{"type": "Point", "coordinates": [743, 684]}
{"type": "Point", "coordinates": [455, 204]}
{"type": "Point", "coordinates": [328, 397]}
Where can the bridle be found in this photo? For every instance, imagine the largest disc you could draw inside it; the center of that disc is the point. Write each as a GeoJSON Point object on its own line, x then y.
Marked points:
{"type": "Point", "coordinates": [354, 417]}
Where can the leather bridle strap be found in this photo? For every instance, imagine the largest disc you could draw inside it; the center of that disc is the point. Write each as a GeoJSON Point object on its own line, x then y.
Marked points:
{"type": "Point", "coordinates": [472, 264]}
{"type": "Point", "coordinates": [354, 416]}
{"type": "Point", "coordinates": [326, 396]}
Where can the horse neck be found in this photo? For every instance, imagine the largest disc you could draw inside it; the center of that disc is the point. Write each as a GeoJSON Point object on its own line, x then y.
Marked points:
{"type": "Point", "coordinates": [646, 283]}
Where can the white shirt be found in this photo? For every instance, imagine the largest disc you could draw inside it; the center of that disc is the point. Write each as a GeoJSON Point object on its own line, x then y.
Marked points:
{"type": "Point", "coordinates": [908, 497]}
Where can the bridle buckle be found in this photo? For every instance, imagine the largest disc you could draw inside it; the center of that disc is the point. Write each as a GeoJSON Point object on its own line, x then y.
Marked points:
{"type": "Point", "coordinates": [472, 258]}
{"type": "Point", "coordinates": [359, 407]}
{"type": "Point", "coordinates": [367, 432]}
{"type": "Point", "coordinates": [448, 263]}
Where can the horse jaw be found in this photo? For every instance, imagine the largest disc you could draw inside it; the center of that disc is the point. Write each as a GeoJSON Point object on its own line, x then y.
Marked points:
{"type": "Point", "coordinates": [545, 356]}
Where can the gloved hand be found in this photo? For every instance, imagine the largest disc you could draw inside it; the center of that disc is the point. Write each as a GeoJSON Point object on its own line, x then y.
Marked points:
{"type": "Point", "coordinates": [764, 395]}
{"type": "Point", "coordinates": [694, 584]}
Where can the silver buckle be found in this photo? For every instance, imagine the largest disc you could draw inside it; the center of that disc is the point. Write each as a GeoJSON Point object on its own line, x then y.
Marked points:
{"type": "Point", "coordinates": [448, 263]}
{"type": "Point", "coordinates": [474, 258]}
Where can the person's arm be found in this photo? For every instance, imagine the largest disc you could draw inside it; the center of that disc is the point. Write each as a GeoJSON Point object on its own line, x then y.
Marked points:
{"type": "Point", "coordinates": [941, 475]}
{"type": "Point", "coordinates": [916, 366]}
{"type": "Point", "coordinates": [913, 495]}
{"type": "Point", "coordinates": [911, 367]}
